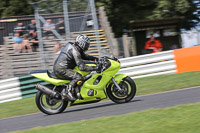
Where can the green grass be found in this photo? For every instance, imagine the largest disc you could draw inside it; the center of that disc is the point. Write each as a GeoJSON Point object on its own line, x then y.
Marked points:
{"type": "Point", "coordinates": [19, 107]}
{"type": "Point", "coordinates": [162, 83]}
{"type": "Point", "coordinates": [146, 85]}
{"type": "Point", "coordinates": [179, 119]}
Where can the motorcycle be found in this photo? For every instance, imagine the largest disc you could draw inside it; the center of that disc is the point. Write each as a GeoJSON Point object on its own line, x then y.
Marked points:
{"type": "Point", "coordinates": [98, 86]}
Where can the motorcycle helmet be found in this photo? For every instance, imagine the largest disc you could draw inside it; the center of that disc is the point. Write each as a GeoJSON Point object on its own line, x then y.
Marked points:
{"type": "Point", "coordinates": [83, 42]}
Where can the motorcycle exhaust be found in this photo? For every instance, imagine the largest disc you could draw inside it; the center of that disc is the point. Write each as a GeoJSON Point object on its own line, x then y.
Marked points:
{"type": "Point", "coordinates": [45, 90]}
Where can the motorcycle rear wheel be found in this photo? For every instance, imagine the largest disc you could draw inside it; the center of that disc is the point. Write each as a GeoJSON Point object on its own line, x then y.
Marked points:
{"type": "Point", "coordinates": [49, 105]}
{"type": "Point", "coordinates": [129, 90]}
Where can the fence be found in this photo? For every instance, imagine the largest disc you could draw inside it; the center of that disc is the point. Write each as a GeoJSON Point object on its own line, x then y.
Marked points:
{"type": "Point", "coordinates": [136, 67]}
{"type": "Point", "coordinates": [7, 27]}
{"type": "Point", "coordinates": [24, 63]}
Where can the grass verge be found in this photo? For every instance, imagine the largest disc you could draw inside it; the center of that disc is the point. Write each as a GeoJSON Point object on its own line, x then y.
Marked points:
{"type": "Point", "coordinates": [179, 119]}
{"type": "Point", "coordinates": [162, 83]}
{"type": "Point", "coordinates": [146, 85]}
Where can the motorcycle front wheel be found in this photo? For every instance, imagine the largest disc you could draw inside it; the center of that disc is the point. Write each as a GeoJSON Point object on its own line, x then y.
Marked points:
{"type": "Point", "coordinates": [49, 105]}
{"type": "Point", "coordinates": [128, 91]}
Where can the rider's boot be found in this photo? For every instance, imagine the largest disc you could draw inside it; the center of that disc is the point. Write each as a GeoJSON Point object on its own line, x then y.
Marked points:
{"type": "Point", "coordinates": [77, 91]}
{"type": "Point", "coordinates": [67, 93]}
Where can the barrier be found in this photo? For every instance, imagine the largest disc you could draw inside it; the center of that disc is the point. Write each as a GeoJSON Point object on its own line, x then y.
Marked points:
{"type": "Point", "coordinates": [136, 67]}
{"type": "Point", "coordinates": [18, 88]}
{"type": "Point", "coordinates": [187, 59]}
{"type": "Point", "coordinates": [148, 65]}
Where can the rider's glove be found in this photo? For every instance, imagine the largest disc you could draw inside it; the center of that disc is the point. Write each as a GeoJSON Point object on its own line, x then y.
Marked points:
{"type": "Point", "coordinates": [99, 68]}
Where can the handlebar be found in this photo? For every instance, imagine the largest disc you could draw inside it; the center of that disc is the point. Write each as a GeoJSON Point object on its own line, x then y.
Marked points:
{"type": "Point", "coordinates": [105, 64]}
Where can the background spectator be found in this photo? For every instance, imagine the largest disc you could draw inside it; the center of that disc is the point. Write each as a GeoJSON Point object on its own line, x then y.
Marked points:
{"type": "Point", "coordinates": [34, 41]}
{"type": "Point", "coordinates": [57, 47]}
{"type": "Point", "coordinates": [20, 28]}
{"type": "Point", "coordinates": [60, 26]}
{"type": "Point", "coordinates": [17, 46]}
{"type": "Point", "coordinates": [47, 27]}
{"type": "Point", "coordinates": [25, 44]}
{"type": "Point", "coordinates": [153, 45]}
{"type": "Point", "coordinates": [32, 27]}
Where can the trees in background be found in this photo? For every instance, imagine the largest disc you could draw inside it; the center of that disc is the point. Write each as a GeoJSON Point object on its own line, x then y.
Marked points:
{"type": "Point", "coordinates": [197, 12]}
{"type": "Point", "coordinates": [119, 12]}
{"type": "Point", "coordinates": [22, 7]}
{"type": "Point", "coordinates": [15, 8]}
{"type": "Point", "coordinates": [173, 8]}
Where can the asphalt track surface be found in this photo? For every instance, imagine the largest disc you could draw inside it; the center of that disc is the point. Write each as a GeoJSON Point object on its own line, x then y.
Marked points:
{"type": "Point", "coordinates": [107, 108]}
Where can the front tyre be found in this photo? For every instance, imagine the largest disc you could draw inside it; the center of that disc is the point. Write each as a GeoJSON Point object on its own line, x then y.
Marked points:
{"type": "Point", "coordinates": [128, 91]}
{"type": "Point", "coordinates": [49, 105]}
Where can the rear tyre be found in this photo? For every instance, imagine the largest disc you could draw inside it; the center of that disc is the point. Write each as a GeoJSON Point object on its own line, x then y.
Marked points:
{"type": "Point", "coordinates": [49, 105]}
{"type": "Point", "coordinates": [128, 91]}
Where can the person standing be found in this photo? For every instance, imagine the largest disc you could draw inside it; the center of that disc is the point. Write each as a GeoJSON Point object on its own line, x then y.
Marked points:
{"type": "Point", "coordinates": [34, 41]}
{"type": "Point", "coordinates": [153, 45]}
{"type": "Point", "coordinates": [47, 27]}
{"type": "Point", "coordinates": [60, 27]}
{"type": "Point", "coordinates": [32, 27]}
{"type": "Point", "coordinates": [20, 28]}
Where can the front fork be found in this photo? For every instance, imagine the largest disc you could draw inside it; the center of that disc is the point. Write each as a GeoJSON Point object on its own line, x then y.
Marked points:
{"type": "Point", "coordinates": [118, 87]}
{"type": "Point", "coordinates": [117, 79]}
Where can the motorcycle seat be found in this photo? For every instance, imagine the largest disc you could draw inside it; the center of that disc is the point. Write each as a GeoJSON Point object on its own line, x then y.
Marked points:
{"type": "Point", "coordinates": [52, 75]}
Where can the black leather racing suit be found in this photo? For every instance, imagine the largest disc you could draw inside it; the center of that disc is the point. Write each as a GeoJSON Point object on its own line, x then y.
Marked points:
{"type": "Point", "coordinates": [68, 58]}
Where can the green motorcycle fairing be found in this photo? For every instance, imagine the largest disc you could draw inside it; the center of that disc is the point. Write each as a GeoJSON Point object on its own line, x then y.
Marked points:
{"type": "Point", "coordinates": [118, 78]}
{"type": "Point", "coordinates": [104, 78]}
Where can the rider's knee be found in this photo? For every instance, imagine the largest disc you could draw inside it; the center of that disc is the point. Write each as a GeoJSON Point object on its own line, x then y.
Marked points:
{"type": "Point", "coordinates": [79, 76]}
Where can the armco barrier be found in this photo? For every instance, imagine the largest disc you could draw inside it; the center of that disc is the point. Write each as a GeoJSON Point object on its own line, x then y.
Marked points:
{"type": "Point", "coordinates": [148, 65]}
{"type": "Point", "coordinates": [136, 67]}
{"type": "Point", "coordinates": [18, 88]}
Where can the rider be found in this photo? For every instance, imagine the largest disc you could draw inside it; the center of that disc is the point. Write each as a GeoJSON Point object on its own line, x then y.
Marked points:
{"type": "Point", "coordinates": [70, 56]}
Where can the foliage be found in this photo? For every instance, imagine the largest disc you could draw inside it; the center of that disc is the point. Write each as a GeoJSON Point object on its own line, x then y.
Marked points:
{"type": "Point", "coordinates": [121, 12]}
{"type": "Point", "coordinates": [173, 8]}
{"type": "Point", "coordinates": [49, 6]}
{"type": "Point", "coordinates": [77, 5]}
{"type": "Point", "coordinates": [197, 11]}
{"type": "Point", "coordinates": [14, 8]}
{"type": "Point", "coordinates": [22, 7]}
{"type": "Point", "coordinates": [73, 6]}
{"type": "Point", "coordinates": [166, 8]}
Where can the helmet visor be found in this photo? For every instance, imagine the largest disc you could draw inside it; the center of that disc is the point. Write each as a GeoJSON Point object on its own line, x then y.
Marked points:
{"type": "Point", "coordinates": [86, 47]}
